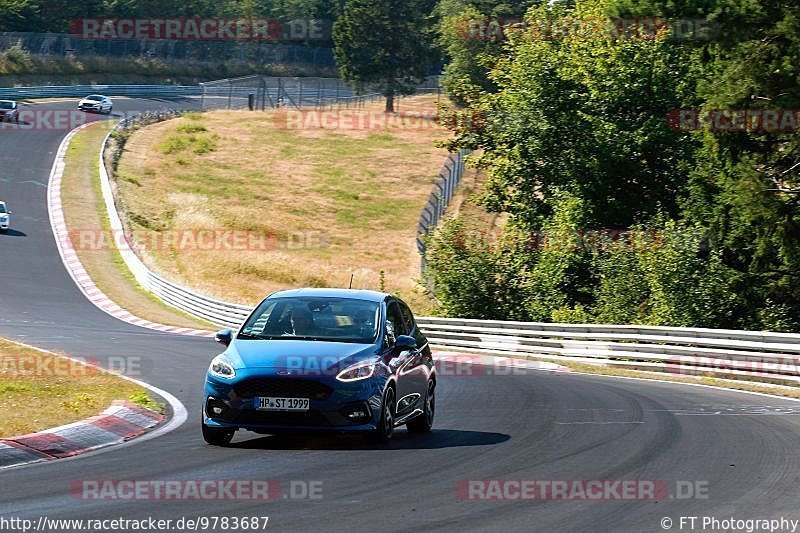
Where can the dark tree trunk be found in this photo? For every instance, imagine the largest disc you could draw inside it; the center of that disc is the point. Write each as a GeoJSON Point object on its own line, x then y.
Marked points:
{"type": "Point", "coordinates": [389, 102]}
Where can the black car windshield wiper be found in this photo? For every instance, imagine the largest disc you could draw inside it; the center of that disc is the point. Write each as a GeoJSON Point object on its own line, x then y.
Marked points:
{"type": "Point", "coordinates": [322, 339]}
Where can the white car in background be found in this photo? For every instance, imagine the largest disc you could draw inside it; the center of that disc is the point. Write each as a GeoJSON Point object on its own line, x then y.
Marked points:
{"type": "Point", "coordinates": [5, 217]}
{"type": "Point", "coordinates": [96, 103]}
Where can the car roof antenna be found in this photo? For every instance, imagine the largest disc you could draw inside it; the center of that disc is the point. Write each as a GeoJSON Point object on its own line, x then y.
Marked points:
{"type": "Point", "coordinates": [351, 281]}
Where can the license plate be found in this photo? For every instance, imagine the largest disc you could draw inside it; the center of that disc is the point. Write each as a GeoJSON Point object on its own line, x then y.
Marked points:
{"type": "Point", "coordinates": [270, 403]}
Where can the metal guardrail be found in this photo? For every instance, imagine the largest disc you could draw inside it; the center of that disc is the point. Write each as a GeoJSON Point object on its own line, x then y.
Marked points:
{"type": "Point", "coordinates": [753, 354]}
{"type": "Point", "coordinates": [79, 91]}
{"type": "Point", "coordinates": [209, 309]}
{"type": "Point", "coordinates": [217, 95]}
{"type": "Point", "coordinates": [443, 189]}
{"type": "Point", "coordinates": [766, 356]}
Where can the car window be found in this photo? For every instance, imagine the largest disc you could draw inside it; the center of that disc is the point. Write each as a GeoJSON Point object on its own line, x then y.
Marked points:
{"type": "Point", "coordinates": [325, 319]}
{"type": "Point", "coordinates": [2, 208]}
{"type": "Point", "coordinates": [408, 317]}
{"type": "Point", "coordinates": [394, 322]}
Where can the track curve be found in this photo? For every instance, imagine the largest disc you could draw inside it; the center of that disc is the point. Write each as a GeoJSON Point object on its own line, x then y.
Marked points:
{"type": "Point", "coordinates": [536, 425]}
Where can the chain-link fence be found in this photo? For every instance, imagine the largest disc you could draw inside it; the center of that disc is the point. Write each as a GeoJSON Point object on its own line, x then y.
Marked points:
{"type": "Point", "coordinates": [265, 92]}
{"type": "Point", "coordinates": [66, 45]}
{"type": "Point", "coordinates": [443, 189]}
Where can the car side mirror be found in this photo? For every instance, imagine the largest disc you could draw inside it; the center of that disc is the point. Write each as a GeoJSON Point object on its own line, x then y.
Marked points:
{"type": "Point", "coordinates": [405, 342]}
{"type": "Point", "coordinates": [224, 337]}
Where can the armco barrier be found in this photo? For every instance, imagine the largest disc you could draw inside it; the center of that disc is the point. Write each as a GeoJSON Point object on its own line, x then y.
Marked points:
{"type": "Point", "coordinates": [204, 307]}
{"type": "Point", "coordinates": [765, 355]}
{"type": "Point", "coordinates": [79, 91]}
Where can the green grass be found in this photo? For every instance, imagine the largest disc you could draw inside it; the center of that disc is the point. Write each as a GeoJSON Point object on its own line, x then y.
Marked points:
{"type": "Point", "coordinates": [64, 392]}
{"type": "Point", "coordinates": [143, 399]}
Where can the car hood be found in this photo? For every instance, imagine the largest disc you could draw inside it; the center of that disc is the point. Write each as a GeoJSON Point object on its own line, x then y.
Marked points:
{"type": "Point", "coordinates": [296, 354]}
{"type": "Point", "coordinates": [89, 102]}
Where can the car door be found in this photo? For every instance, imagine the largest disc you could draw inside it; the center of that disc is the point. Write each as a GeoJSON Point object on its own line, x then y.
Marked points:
{"type": "Point", "coordinates": [397, 360]}
{"type": "Point", "coordinates": [413, 373]}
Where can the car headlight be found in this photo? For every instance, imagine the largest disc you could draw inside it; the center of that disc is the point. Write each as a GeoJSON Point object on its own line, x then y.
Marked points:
{"type": "Point", "coordinates": [221, 367]}
{"type": "Point", "coordinates": [357, 371]}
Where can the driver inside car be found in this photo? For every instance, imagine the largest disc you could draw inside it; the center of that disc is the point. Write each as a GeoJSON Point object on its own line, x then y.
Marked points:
{"type": "Point", "coordinates": [301, 322]}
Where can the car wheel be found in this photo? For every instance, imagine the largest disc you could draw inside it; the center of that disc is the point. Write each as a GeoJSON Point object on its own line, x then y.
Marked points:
{"type": "Point", "coordinates": [383, 433]}
{"type": "Point", "coordinates": [217, 437]}
{"type": "Point", "coordinates": [110, 108]}
{"type": "Point", "coordinates": [424, 422]}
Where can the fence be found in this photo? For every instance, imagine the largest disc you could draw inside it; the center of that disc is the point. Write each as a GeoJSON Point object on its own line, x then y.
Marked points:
{"type": "Point", "coordinates": [443, 189]}
{"type": "Point", "coordinates": [263, 92]}
{"type": "Point", "coordinates": [66, 45]}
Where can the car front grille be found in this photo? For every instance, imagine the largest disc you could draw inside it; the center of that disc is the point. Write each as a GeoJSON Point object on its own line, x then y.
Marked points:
{"type": "Point", "coordinates": [282, 388]}
{"type": "Point", "coordinates": [267, 418]}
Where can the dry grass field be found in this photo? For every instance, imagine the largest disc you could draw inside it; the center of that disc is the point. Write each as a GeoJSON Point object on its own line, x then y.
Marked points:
{"type": "Point", "coordinates": [329, 202]}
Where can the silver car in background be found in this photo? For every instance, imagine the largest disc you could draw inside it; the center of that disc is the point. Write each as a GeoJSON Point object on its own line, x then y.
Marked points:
{"type": "Point", "coordinates": [96, 103]}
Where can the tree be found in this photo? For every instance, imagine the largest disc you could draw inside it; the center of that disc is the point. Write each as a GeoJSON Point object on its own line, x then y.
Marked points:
{"type": "Point", "coordinates": [714, 214]}
{"type": "Point", "coordinates": [384, 44]}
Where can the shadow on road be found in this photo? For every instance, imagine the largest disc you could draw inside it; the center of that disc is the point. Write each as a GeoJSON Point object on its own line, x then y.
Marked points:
{"type": "Point", "coordinates": [402, 440]}
{"type": "Point", "coordinates": [12, 233]}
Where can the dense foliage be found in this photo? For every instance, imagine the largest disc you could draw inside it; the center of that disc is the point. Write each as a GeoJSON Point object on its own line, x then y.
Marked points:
{"type": "Point", "coordinates": [616, 214]}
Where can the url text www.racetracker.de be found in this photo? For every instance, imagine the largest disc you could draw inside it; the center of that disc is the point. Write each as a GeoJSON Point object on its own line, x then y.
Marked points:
{"type": "Point", "coordinates": [146, 524]}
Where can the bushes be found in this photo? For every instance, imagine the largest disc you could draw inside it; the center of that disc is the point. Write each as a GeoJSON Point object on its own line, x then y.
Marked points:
{"type": "Point", "coordinates": [15, 59]}
{"type": "Point", "coordinates": [662, 274]}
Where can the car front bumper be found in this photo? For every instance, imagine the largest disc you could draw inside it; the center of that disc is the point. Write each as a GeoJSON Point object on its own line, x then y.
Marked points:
{"type": "Point", "coordinates": [328, 413]}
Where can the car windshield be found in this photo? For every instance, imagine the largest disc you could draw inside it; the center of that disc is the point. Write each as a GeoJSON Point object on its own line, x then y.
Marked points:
{"type": "Point", "coordinates": [6, 105]}
{"type": "Point", "coordinates": [2, 208]}
{"type": "Point", "coordinates": [313, 318]}
{"type": "Point", "coordinates": [94, 98]}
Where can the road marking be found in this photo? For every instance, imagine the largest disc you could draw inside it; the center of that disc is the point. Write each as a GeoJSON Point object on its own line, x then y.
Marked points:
{"type": "Point", "coordinates": [73, 264]}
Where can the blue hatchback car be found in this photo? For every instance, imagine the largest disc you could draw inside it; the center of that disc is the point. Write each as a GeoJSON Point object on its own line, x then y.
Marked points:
{"type": "Point", "coordinates": [321, 360]}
